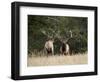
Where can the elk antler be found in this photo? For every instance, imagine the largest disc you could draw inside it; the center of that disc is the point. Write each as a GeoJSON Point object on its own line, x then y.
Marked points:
{"type": "Point", "coordinates": [70, 33]}
{"type": "Point", "coordinates": [45, 33]}
{"type": "Point", "coordinates": [48, 32]}
{"type": "Point", "coordinates": [63, 37]}
{"type": "Point", "coordinates": [58, 35]}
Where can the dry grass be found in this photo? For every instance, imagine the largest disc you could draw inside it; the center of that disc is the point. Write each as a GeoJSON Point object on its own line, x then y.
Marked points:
{"type": "Point", "coordinates": [57, 60]}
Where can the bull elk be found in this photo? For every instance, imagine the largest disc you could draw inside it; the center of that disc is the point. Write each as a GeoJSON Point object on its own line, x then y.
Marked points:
{"type": "Point", "coordinates": [64, 48]}
{"type": "Point", "coordinates": [49, 47]}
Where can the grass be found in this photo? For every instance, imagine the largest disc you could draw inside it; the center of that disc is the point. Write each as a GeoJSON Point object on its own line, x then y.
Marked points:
{"type": "Point", "coordinates": [57, 60]}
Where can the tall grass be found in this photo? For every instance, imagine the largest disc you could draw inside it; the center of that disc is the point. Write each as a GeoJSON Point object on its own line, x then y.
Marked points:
{"type": "Point", "coordinates": [57, 60]}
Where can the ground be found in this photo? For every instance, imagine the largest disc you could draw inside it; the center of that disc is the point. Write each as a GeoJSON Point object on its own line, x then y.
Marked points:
{"type": "Point", "coordinates": [57, 60]}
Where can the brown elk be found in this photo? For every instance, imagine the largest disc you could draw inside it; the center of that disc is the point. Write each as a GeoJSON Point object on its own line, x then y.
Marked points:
{"type": "Point", "coordinates": [49, 47]}
{"type": "Point", "coordinates": [65, 48]}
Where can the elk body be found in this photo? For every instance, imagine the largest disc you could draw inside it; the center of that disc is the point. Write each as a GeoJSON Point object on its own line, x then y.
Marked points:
{"type": "Point", "coordinates": [64, 49]}
{"type": "Point", "coordinates": [49, 47]}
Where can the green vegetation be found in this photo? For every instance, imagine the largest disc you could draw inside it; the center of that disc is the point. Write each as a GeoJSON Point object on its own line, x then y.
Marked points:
{"type": "Point", "coordinates": [42, 27]}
